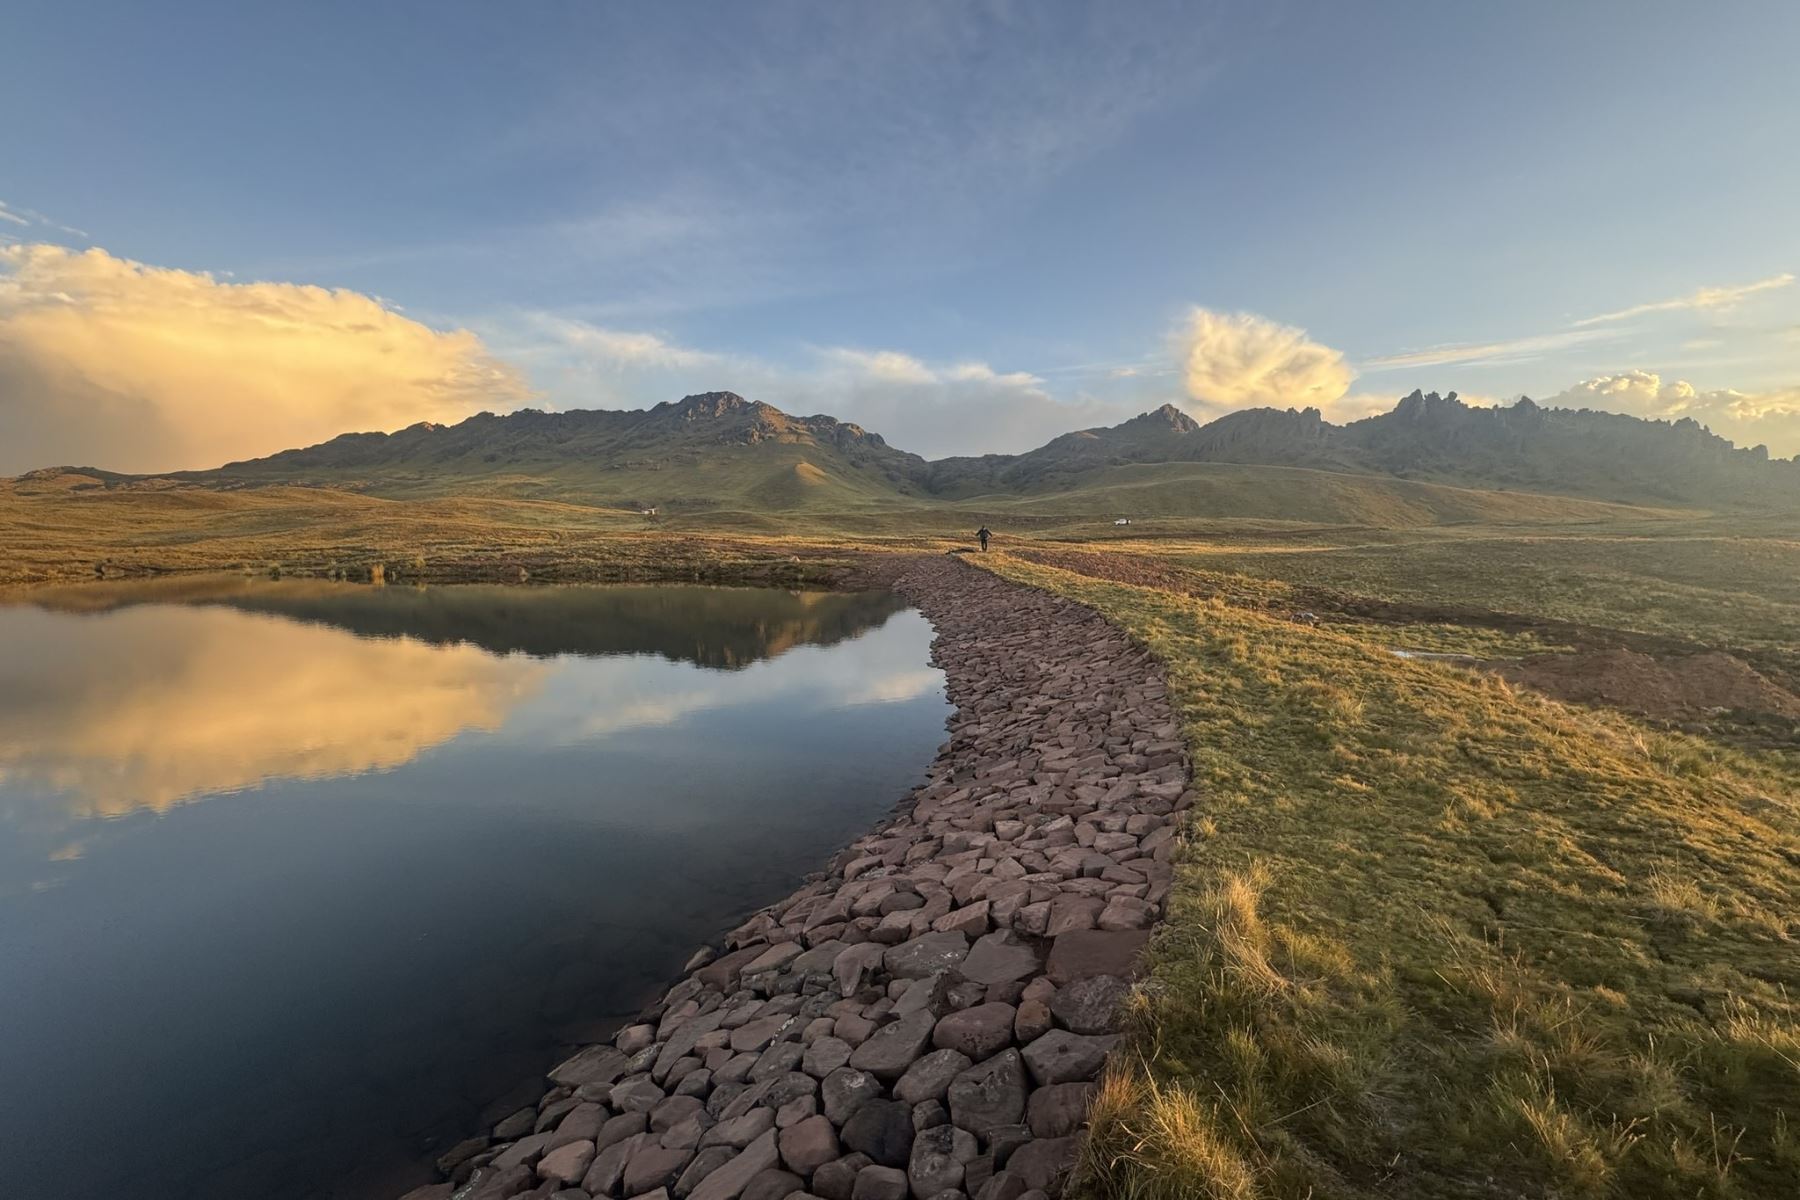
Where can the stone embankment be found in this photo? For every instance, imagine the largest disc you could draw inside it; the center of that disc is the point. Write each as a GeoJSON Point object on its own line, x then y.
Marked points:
{"type": "Point", "coordinates": [928, 1017]}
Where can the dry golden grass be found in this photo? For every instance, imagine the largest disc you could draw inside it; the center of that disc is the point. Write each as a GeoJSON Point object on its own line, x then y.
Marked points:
{"type": "Point", "coordinates": [1435, 937]}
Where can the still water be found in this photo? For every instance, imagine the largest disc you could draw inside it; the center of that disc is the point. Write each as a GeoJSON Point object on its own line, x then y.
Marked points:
{"type": "Point", "coordinates": [298, 880]}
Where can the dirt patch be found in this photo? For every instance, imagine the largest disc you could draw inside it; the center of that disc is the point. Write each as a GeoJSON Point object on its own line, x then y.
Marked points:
{"type": "Point", "coordinates": [1665, 688]}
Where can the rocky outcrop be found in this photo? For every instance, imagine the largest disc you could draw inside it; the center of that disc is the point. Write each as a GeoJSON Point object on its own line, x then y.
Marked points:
{"type": "Point", "coordinates": [928, 1016]}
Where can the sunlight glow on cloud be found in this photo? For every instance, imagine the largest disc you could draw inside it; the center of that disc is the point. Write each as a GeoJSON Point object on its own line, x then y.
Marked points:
{"type": "Point", "coordinates": [108, 362]}
{"type": "Point", "coordinates": [1242, 360]}
{"type": "Point", "coordinates": [1701, 299]}
{"type": "Point", "coordinates": [112, 727]}
{"type": "Point", "coordinates": [1771, 418]}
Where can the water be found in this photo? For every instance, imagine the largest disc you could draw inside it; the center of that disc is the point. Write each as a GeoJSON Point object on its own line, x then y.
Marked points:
{"type": "Point", "coordinates": [298, 880]}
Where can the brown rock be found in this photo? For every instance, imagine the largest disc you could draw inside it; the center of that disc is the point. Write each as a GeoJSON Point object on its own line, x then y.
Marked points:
{"type": "Point", "coordinates": [729, 1181]}
{"type": "Point", "coordinates": [976, 1032]}
{"type": "Point", "coordinates": [989, 1094]}
{"type": "Point", "coordinates": [809, 1145]}
{"type": "Point", "coordinates": [1058, 1110]}
{"type": "Point", "coordinates": [1086, 953]}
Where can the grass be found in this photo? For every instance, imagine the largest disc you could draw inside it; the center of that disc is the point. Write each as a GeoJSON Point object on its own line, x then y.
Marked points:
{"type": "Point", "coordinates": [1433, 937]}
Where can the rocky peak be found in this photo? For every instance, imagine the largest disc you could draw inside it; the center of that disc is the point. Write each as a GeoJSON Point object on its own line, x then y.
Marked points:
{"type": "Point", "coordinates": [1167, 417]}
{"type": "Point", "coordinates": [1425, 406]}
{"type": "Point", "coordinates": [710, 405]}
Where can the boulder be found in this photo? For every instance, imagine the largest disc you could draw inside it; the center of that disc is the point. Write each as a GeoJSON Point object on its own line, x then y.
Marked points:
{"type": "Point", "coordinates": [1063, 1057]}
{"type": "Point", "coordinates": [895, 1045]}
{"type": "Point", "coordinates": [929, 1077]}
{"type": "Point", "coordinates": [1000, 957]}
{"type": "Point", "coordinates": [989, 1094]}
{"type": "Point", "coordinates": [883, 1130]}
{"type": "Point", "coordinates": [976, 1032]}
{"type": "Point", "coordinates": [809, 1145]}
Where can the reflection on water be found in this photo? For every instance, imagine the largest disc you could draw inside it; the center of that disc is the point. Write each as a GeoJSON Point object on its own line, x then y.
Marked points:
{"type": "Point", "coordinates": [308, 874]}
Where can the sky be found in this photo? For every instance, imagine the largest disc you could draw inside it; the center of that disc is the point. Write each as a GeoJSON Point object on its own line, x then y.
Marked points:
{"type": "Point", "coordinates": [227, 229]}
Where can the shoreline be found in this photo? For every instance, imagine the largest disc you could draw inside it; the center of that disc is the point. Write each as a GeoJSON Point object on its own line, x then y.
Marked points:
{"type": "Point", "coordinates": [927, 1016]}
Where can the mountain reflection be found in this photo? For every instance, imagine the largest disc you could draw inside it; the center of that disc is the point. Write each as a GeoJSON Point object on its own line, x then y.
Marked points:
{"type": "Point", "coordinates": [163, 693]}
{"type": "Point", "coordinates": [151, 707]}
{"type": "Point", "coordinates": [722, 628]}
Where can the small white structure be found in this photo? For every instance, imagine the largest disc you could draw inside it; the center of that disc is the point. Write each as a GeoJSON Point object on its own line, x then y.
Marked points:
{"type": "Point", "coordinates": [1123, 521]}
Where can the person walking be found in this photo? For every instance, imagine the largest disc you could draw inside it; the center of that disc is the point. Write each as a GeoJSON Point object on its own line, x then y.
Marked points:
{"type": "Point", "coordinates": [984, 533]}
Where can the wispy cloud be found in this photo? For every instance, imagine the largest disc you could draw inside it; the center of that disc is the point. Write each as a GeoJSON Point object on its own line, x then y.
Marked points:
{"type": "Point", "coordinates": [1481, 353]}
{"type": "Point", "coordinates": [1700, 299]}
{"type": "Point", "coordinates": [6, 214]}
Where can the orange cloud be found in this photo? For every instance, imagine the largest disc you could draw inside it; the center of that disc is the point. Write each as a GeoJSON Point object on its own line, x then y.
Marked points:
{"type": "Point", "coordinates": [110, 363]}
{"type": "Point", "coordinates": [153, 707]}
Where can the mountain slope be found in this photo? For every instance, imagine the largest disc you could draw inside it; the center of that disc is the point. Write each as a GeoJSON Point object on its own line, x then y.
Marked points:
{"type": "Point", "coordinates": [702, 451]}
{"type": "Point", "coordinates": [1428, 437]}
{"type": "Point", "coordinates": [717, 452]}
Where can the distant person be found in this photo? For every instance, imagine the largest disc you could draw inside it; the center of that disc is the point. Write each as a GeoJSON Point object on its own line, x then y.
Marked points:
{"type": "Point", "coordinates": [984, 533]}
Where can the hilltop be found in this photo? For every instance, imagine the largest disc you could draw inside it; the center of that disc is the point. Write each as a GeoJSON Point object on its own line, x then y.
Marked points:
{"type": "Point", "coordinates": [1426, 437]}
{"type": "Point", "coordinates": [720, 456]}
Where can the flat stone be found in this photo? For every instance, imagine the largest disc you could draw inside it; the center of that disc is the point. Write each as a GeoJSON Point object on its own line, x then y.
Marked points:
{"type": "Point", "coordinates": [825, 1055]}
{"type": "Point", "coordinates": [603, 1176]}
{"type": "Point", "coordinates": [774, 958]}
{"type": "Point", "coordinates": [924, 955]}
{"type": "Point", "coordinates": [523, 1152]}
{"type": "Point", "coordinates": [809, 1145]}
{"type": "Point", "coordinates": [1091, 1005]}
{"type": "Point", "coordinates": [730, 1180]}
{"type": "Point", "coordinates": [754, 1035]}
{"type": "Point", "coordinates": [773, 1184]}
{"type": "Point", "coordinates": [989, 1094]}
{"type": "Point", "coordinates": [881, 1129]}
{"type": "Point", "coordinates": [1043, 1162]}
{"type": "Point", "coordinates": [705, 1163]}
{"type": "Point", "coordinates": [976, 1032]}
{"type": "Point", "coordinates": [668, 1114]}
{"type": "Point", "coordinates": [1063, 1057]}
{"type": "Point", "coordinates": [516, 1125]}
{"type": "Point", "coordinates": [1070, 913]}
{"type": "Point", "coordinates": [740, 1131]}
{"type": "Point", "coordinates": [596, 1064]}
{"type": "Point", "coordinates": [1090, 952]}
{"type": "Point", "coordinates": [1058, 1110]}
{"type": "Point", "coordinates": [852, 967]}
{"type": "Point", "coordinates": [929, 1077]}
{"type": "Point", "coordinates": [894, 1046]}
{"type": "Point", "coordinates": [636, 1095]}
{"type": "Point", "coordinates": [618, 1128]}
{"type": "Point", "coordinates": [1000, 957]}
{"type": "Point", "coordinates": [845, 1090]}
{"type": "Point", "coordinates": [836, 1180]}
{"type": "Point", "coordinates": [880, 1183]}
{"type": "Point", "coordinates": [567, 1163]}
{"type": "Point", "coordinates": [653, 1167]}
{"type": "Point", "coordinates": [722, 973]}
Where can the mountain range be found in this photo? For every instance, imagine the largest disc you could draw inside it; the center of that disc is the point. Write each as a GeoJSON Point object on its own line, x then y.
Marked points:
{"type": "Point", "coordinates": [718, 450]}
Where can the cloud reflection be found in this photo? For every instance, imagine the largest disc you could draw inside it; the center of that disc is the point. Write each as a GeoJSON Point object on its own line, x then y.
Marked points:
{"type": "Point", "coordinates": [148, 708]}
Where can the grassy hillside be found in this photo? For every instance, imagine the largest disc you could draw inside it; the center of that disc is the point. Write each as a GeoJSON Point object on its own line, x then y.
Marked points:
{"type": "Point", "coordinates": [1434, 937]}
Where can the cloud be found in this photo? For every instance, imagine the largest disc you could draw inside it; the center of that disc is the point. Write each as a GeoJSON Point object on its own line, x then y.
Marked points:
{"type": "Point", "coordinates": [933, 409]}
{"type": "Point", "coordinates": [1770, 417]}
{"type": "Point", "coordinates": [111, 363]}
{"type": "Point", "coordinates": [1241, 360]}
{"type": "Point", "coordinates": [1482, 353]}
{"type": "Point", "coordinates": [152, 707]}
{"type": "Point", "coordinates": [7, 214]}
{"type": "Point", "coordinates": [1700, 298]}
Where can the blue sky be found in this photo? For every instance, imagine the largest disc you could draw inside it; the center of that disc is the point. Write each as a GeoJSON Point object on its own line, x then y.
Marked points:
{"type": "Point", "coordinates": [969, 226]}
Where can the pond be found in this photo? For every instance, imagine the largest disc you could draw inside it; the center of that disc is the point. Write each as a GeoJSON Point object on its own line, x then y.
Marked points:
{"type": "Point", "coordinates": [299, 880]}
